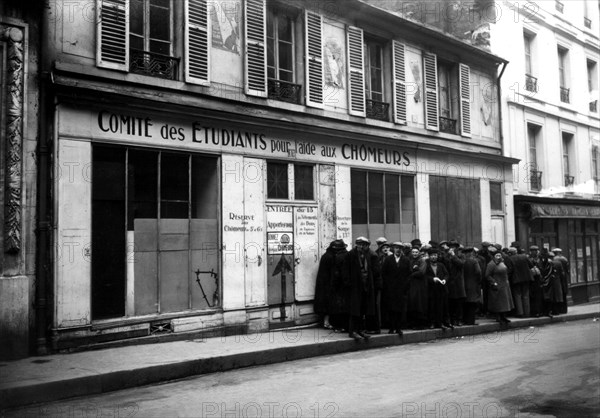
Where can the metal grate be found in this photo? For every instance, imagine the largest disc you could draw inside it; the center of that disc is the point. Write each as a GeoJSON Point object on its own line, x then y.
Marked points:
{"type": "Point", "coordinates": [152, 64]}
{"type": "Point", "coordinates": [448, 125]}
{"type": "Point", "coordinates": [564, 95]}
{"type": "Point", "coordinates": [161, 328]}
{"type": "Point", "coordinates": [559, 6]}
{"type": "Point", "coordinates": [531, 83]}
{"type": "Point", "coordinates": [569, 180]}
{"type": "Point", "coordinates": [587, 23]}
{"type": "Point", "coordinates": [594, 106]}
{"type": "Point", "coordinates": [535, 180]}
{"type": "Point", "coordinates": [378, 110]}
{"type": "Point", "coordinates": [284, 91]}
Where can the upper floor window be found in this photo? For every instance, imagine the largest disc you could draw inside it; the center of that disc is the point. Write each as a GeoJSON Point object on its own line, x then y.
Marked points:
{"type": "Point", "coordinates": [448, 95]}
{"type": "Point", "coordinates": [596, 167]}
{"type": "Point", "coordinates": [280, 176]}
{"type": "Point", "coordinates": [562, 75]}
{"type": "Point", "coordinates": [592, 81]}
{"type": "Point", "coordinates": [567, 140]}
{"type": "Point", "coordinates": [150, 26]}
{"type": "Point", "coordinates": [534, 174]}
{"type": "Point", "coordinates": [376, 107]}
{"type": "Point", "coordinates": [530, 80]}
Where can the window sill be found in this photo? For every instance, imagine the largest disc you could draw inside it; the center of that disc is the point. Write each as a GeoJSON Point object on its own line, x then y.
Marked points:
{"type": "Point", "coordinates": [291, 202]}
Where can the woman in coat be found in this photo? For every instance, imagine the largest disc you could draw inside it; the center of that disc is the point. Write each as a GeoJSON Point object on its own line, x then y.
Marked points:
{"type": "Point", "coordinates": [500, 299]}
{"type": "Point", "coordinates": [330, 299]}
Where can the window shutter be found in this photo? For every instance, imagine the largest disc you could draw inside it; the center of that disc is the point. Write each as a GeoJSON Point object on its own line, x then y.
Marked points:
{"type": "Point", "coordinates": [431, 93]}
{"type": "Point", "coordinates": [112, 36]}
{"type": "Point", "coordinates": [314, 59]}
{"type": "Point", "coordinates": [197, 42]}
{"type": "Point", "coordinates": [399, 83]}
{"type": "Point", "coordinates": [356, 71]}
{"type": "Point", "coordinates": [464, 80]}
{"type": "Point", "coordinates": [256, 47]}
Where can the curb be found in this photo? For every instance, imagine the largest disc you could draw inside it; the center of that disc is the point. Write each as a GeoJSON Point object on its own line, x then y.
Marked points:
{"type": "Point", "coordinates": [112, 381]}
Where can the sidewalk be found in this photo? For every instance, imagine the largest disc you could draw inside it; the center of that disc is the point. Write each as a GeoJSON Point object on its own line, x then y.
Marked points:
{"type": "Point", "coordinates": [60, 376]}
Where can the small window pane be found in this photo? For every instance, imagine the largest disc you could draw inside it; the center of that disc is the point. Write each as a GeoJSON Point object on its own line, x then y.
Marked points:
{"type": "Point", "coordinates": [408, 200]}
{"type": "Point", "coordinates": [277, 181]}
{"type": "Point", "coordinates": [358, 194]}
{"type": "Point", "coordinates": [392, 199]}
{"type": "Point", "coordinates": [136, 17]}
{"type": "Point", "coordinates": [303, 182]}
{"type": "Point", "coordinates": [496, 196]}
{"type": "Point", "coordinates": [285, 28]}
{"type": "Point", "coordinates": [160, 23]}
{"type": "Point", "coordinates": [142, 186]}
{"type": "Point", "coordinates": [376, 198]}
{"type": "Point", "coordinates": [174, 186]}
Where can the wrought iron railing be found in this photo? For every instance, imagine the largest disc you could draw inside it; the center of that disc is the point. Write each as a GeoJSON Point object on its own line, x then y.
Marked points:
{"type": "Point", "coordinates": [564, 95]}
{"type": "Point", "coordinates": [531, 83]}
{"type": "Point", "coordinates": [284, 91]}
{"type": "Point", "coordinates": [587, 22]}
{"type": "Point", "coordinates": [569, 180]}
{"type": "Point", "coordinates": [559, 6]}
{"type": "Point", "coordinates": [153, 64]}
{"type": "Point", "coordinates": [594, 106]}
{"type": "Point", "coordinates": [378, 110]}
{"type": "Point", "coordinates": [448, 125]}
{"type": "Point", "coordinates": [535, 180]}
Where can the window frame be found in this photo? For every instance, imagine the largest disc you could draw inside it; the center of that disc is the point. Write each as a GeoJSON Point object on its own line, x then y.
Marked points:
{"type": "Point", "coordinates": [496, 211]}
{"type": "Point", "coordinates": [566, 145]}
{"type": "Point", "coordinates": [276, 12]}
{"type": "Point", "coordinates": [146, 38]}
{"type": "Point", "coordinates": [291, 183]}
{"type": "Point", "coordinates": [368, 44]}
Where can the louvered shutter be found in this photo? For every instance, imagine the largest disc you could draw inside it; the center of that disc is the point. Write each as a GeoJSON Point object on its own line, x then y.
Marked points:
{"type": "Point", "coordinates": [464, 80]}
{"type": "Point", "coordinates": [112, 36]}
{"type": "Point", "coordinates": [314, 59]}
{"type": "Point", "coordinates": [197, 42]}
{"type": "Point", "coordinates": [431, 92]}
{"type": "Point", "coordinates": [399, 83]}
{"type": "Point", "coordinates": [256, 47]}
{"type": "Point", "coordinates": [356, 71]}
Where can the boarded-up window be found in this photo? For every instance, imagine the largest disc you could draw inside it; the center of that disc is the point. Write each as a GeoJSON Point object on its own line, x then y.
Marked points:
{"type": "Point", "coordinates": [496, 197]}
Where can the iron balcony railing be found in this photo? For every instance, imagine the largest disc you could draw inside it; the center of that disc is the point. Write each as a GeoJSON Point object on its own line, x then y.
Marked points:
{"type": "Point", "coordinates": [564, 95]}
{"type": "Point", "coordinates": [535, 180]}
{"type": "Point", "coordinates": [594, 106]}
{"type": "Point", "coordinates": [531, 83]}
{"type": "Point", "coordinates": [559, 6]}
{"type": "Point", "coordinates": [153, 64]}
{"type": "Point", "coordinates": [284, 91]}
{"type": "Point", "coordinates": [569, 180]}
{"type": "Point", "coordinates": [378, 110]}
{"type": "Point", "coordinates": [587, 23]}
{"type": "Point", "coordinates": [448, 125]}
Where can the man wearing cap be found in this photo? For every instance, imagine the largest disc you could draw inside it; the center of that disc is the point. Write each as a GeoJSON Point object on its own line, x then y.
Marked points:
{"type": "Point", "coordinates": [473, 276]}
{"type": "Point", "coordinates": [395, 272]}
{"type": "Point", "coordinates": [565, 278]}
{"type": "Point", "coordinates": [520, 278]}
{"type": "Point", "coordinates": [536, 295]}
{"type": "Point", "coordinates": [437, 277]}
{"type": "Point", "coordinates": [363, 270]}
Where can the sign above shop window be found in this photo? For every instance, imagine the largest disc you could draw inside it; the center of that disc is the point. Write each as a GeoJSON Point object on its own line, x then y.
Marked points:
{"type": "Point", "coordinates": [544, 210]}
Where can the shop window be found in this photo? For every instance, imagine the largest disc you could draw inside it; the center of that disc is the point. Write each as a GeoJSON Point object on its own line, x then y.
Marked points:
{"type": "Point", "coordinates": [280, 176]}
{"type": "Point", "coordinates": [496, 201]}
{"type": "Point", "coordinates": [158, 211]}
{"type": "Point", "coordinates": [383, 204]}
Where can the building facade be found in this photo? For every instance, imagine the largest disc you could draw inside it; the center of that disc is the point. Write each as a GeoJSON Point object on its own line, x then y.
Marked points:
{"type": "Point", "coordinates": [206, 153]}
{"type": "Point", "coordinates": [553, 125]}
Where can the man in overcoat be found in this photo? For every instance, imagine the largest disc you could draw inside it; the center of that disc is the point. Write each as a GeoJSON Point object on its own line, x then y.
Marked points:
{"type": "Point", "coordinates": [361, 286]}
{"type": "Point", "coordinates": [437, 277]}
{"type": "Point", "coordinates": [520, 278]}
{"type": "Point", "coordinates": [473, 277]}
{"type": "Point", "coordinates": [395, 271]}
{"type": "Point", "coordinates": [565, 278]}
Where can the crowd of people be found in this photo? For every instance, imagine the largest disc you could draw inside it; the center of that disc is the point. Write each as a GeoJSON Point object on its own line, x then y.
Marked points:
{"type": "Point", "coordinates": [435, 285]}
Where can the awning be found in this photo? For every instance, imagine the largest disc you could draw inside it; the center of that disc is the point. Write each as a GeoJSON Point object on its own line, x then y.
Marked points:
{"type": "Point", "coordinates": [544, 210]}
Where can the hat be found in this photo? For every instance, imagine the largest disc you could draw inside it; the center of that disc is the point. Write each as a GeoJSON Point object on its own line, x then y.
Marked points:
{"type": "Point", "coordinates": [338, 244]}
{"type": "Point", "coordinates": [534, 247]}
{"type": "Point", "coordinates": [434, 244]}
{"type": "Point", "coordinates": [512, 250]}
{"type": "Point", "coordinates": [485, 244]}
{"type": "Point", "coordinates": [498, 246]}
{"type": "Point", "coordinates": [416, 243]}
{"type": "Point", "coordinates": [453, 243]}
{"type": "Point", "coordinates": [362, 240]}
{"type": "Point", "coordinates": [443, 242]}
{"type": "Point", "coordinates": [492, 249]}
{"type": "Point", "coordinates": [515, 244]}
{"type": "Point", "coordinates": [397, 244]}
{"type": "Point", "coordinates": [551, 254]}
{"type": "Point", "coordinates": [468, 249]}
{"type": "Point", "coordinates": [381, 246]}
{"type": "Point", "coordinates": [433, 251]}
{"type": "Point", "coordinates": [427, 247]}
{"type": "Point", "coordinates": [556, 250]}
{"type": "Point", "coordinates": [380, 241]}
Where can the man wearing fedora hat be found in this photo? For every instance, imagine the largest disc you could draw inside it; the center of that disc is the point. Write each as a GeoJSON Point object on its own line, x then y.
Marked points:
{"type": "Point", "coordinates": [395, 271]}
{"type": "Point", "coordinates": [363, 270]}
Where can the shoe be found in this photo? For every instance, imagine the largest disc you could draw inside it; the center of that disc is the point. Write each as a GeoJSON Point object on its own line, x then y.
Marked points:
{"type": "Point", "coordinates": [550, 315]}
{"type": "Point", "coordinates": [355, 336]}
{"type": "Point", "coordinates": [362, 334]}
{"type": "Point", "coordinates": [400, 333]}
{"type": "Point", "coordinates": [327, 326]}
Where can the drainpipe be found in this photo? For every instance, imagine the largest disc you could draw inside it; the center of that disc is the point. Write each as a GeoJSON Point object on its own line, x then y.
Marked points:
{"type": "Point", "coordinates": [43, 290]}
{"type": "Point", "coordinates": [500, 105]}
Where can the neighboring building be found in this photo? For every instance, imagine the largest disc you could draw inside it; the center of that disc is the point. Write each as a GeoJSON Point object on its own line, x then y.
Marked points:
{"type": "Point", "coordinates": [19, 107]}
{"type": "Point", "coordinates": [206, 154]}
{"type": "Point", "coordinates": [549, 114]}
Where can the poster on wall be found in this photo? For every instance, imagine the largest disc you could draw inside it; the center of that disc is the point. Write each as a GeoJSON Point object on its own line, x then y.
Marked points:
{"type": "Point", "coordinates": [225, 21]}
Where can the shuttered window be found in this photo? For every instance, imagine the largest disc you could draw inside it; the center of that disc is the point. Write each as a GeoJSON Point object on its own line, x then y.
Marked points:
{"type": "Point", "coordinates": [431, 92]}
{"type": "Point", "coordinates": [314, 59]}
{"type": "Point", "coordinates": [399, 83]}
{"type": "Point", "coordinates": [356, 75]}
{"type": "Point", "coordinates": [197, 42]}
{"type": "Point", "coordinates": [256, 56]}
{"type": "Point", "coordinates": [112, 48]}
{"type": "Point", "coordinates": [465, 99]}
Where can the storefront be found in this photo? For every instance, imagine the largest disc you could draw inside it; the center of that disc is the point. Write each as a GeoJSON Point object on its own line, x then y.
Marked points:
{"type": "Point", "coordinates": [170, 222]}
{"type": "Point", "coordinates": [572, 225]}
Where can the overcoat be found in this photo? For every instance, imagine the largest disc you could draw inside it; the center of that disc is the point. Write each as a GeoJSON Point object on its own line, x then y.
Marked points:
{"type": "Point", "coordinates": [551, 280]}
{"type": "Point", "coordinates": [472, 275]}
{"type": "Point", "coordinates": [521, 269]}
{"type": "Point", "coordinates": [355, 284]}
{"type": "Point", "coordinates": [456, 282]}
{"type": "Point", "coordinates": [499, 295]}
{"type": "Point", "coordinates": [395, 282]}
{"type": "Point", "coordinates": [330, 293]}
{"type": "Point", "coordinates": [418, 299]}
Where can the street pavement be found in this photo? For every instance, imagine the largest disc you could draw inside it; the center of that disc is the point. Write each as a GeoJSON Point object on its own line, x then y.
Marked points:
{"type": "Point", "coordinates": [551, 370]}
{"type": "Point", "coordinates": [61, 376]}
